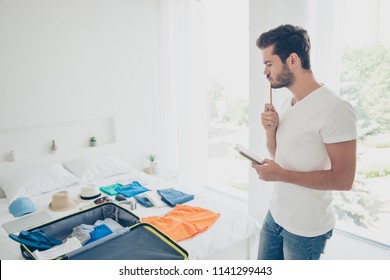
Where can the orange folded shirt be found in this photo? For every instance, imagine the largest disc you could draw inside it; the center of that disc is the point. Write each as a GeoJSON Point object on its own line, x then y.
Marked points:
{"type": "Point", "coordinates": [183, 221]}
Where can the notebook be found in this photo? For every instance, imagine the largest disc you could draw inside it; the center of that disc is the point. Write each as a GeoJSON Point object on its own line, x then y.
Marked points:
{"type": "Point", "coordinates": [27, 221]}
{"type": "Point", "coordinates": [248, 155]}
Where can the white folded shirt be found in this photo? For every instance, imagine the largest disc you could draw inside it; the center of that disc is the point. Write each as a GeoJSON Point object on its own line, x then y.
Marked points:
{"type": "Point", "coordinates": [155, 198]}
{"type": "Point", "coordinates": [69, 245]}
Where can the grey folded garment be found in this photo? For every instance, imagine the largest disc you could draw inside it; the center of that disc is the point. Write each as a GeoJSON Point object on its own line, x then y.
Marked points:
{"type": "Point", "coordinates": [81, 232]}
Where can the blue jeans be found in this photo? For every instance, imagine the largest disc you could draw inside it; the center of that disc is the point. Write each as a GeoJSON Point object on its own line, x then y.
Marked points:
{"type": "Point", "coordinates": [276, 243]}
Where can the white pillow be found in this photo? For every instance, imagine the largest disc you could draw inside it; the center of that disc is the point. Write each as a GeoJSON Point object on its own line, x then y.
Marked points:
{"type": "Point", "coordinates": [98, 167]}
{"type": "Point", "coordinates": [36, 180]}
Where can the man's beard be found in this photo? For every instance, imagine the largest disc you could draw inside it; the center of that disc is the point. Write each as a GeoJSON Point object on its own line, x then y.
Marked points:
{"type": "Point", "coordinates": [285, 79]}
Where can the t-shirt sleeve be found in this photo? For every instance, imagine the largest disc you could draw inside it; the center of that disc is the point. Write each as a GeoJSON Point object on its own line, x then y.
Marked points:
{"type": "Point", "coordinates": [340, 124]}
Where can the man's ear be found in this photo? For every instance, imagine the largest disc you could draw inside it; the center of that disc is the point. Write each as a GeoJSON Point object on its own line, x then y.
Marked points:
{"type": "Point", "coordinates": [293, 60]}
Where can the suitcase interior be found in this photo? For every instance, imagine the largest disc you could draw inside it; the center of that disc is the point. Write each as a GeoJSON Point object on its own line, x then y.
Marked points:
{"type": "Point", "coordinates": [140, 241]}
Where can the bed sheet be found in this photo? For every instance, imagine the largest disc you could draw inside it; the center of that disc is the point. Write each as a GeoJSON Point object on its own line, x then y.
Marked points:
{"type": "Point", "coordinates": [234, 225]}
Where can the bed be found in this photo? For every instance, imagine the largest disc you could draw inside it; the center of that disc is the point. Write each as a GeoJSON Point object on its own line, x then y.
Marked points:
{"type": "Point", "coordinates": [233, 236]}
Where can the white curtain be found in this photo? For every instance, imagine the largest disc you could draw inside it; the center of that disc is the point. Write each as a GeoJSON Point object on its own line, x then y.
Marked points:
{"type": "Point", "coordinates": [183, 98]}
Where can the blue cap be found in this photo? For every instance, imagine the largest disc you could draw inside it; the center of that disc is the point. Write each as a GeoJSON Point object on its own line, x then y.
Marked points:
{"type": "Point", "coordinates": [21, 206]}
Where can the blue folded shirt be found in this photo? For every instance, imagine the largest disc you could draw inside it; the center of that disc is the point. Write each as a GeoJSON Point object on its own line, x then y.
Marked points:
{"type": "Point", "coordinates": [172, 197]}
{"type": "Point", "coordinates": [131, 189]}
{"type": "Point", "coordinates": [99, 232]}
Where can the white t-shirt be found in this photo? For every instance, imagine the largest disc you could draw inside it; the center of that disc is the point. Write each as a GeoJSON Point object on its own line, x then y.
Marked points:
{"type": "Point", "coordinates": [318, 119]}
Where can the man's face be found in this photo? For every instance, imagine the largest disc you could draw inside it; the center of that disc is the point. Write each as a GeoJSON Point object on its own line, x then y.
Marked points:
{"type": "Point", "coordinates": [278, 74]}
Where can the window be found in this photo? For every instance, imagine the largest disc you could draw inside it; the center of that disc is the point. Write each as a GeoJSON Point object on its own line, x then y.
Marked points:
{"type": "Point", "coordinates": [228, 89]}
{"type": "Point", "coordinates": [365, 83]}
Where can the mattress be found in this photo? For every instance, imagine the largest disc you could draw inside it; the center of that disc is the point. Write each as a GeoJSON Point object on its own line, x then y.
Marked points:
{"type": "Point", "coordinates": [233, 225]}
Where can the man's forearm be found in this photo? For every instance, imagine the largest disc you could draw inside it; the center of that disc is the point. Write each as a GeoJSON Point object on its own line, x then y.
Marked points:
{"type": "Point", "coordinates": [271, 143]}
{"type": "Point", "coordinates": [320, 180]}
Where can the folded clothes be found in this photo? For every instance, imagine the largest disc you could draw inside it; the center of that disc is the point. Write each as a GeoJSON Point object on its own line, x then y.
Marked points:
{"type": "Point", "coordinates": [35, 238]}
{"type": "Point", "coordinates": [172, 197]}
{"type": "Point", "coordinates": [113, 225]}
{"type": "Point", "coordinates": [155, 198]}
{"type": "Point", "coordinates": [81, 233]}
{"type": "Point", "coordinates": [111, 189]}
{"type": "Point", "coordinates": [131, 189]}
{"type": "Point", "coordinates": [85, 232]}
{"type": "Point", "coordinates": [143, 200]}
{"type": "Point", "coordinates": [99, 232]}
{"type": "Point", "coordinates": [69, 245]}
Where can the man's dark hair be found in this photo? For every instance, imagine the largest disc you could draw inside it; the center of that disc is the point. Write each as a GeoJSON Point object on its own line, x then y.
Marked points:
{"type": "Point", "coordinates": [287, 39]}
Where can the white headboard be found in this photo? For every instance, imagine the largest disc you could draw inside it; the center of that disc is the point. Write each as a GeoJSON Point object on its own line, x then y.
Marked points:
{"type": "Point", "coordinates": [35, 141]}
{"type": "Point", "coordinates": [31, 145]}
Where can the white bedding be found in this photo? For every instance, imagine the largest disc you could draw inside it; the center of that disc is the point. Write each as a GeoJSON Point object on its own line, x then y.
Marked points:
{"type": "Point", "coordinates": [233, 226]}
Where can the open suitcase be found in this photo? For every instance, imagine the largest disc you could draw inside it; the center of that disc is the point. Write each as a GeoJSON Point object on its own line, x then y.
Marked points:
{"type": "Point", "coordinates": [137, 241]}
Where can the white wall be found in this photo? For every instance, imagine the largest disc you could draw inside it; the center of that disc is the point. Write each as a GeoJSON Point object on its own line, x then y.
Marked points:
{"type": "Point", "coordinates": [64, 61]}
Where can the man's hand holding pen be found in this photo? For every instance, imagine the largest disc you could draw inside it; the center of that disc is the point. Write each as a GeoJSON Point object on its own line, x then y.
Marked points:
{"type": "Point", "coordinates": [270, 118]}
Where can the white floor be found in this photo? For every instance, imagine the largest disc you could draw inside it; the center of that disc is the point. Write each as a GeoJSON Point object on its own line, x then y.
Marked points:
{"type": "Point", "coordinates": [343, 246]}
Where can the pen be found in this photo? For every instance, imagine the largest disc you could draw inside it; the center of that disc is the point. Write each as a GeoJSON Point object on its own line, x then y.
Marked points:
{"type": "Point", "coordinates": [270, 93]}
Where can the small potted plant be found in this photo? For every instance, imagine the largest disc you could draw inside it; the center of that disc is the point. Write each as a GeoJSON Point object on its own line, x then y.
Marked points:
{"type": "Point", "coordinates": [92, 141]}
{"type": "Point", "coordinates": [153, 163]}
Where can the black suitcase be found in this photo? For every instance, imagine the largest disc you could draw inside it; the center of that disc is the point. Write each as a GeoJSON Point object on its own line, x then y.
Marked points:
{"type": "Point", "coordinates": [138, 241]}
